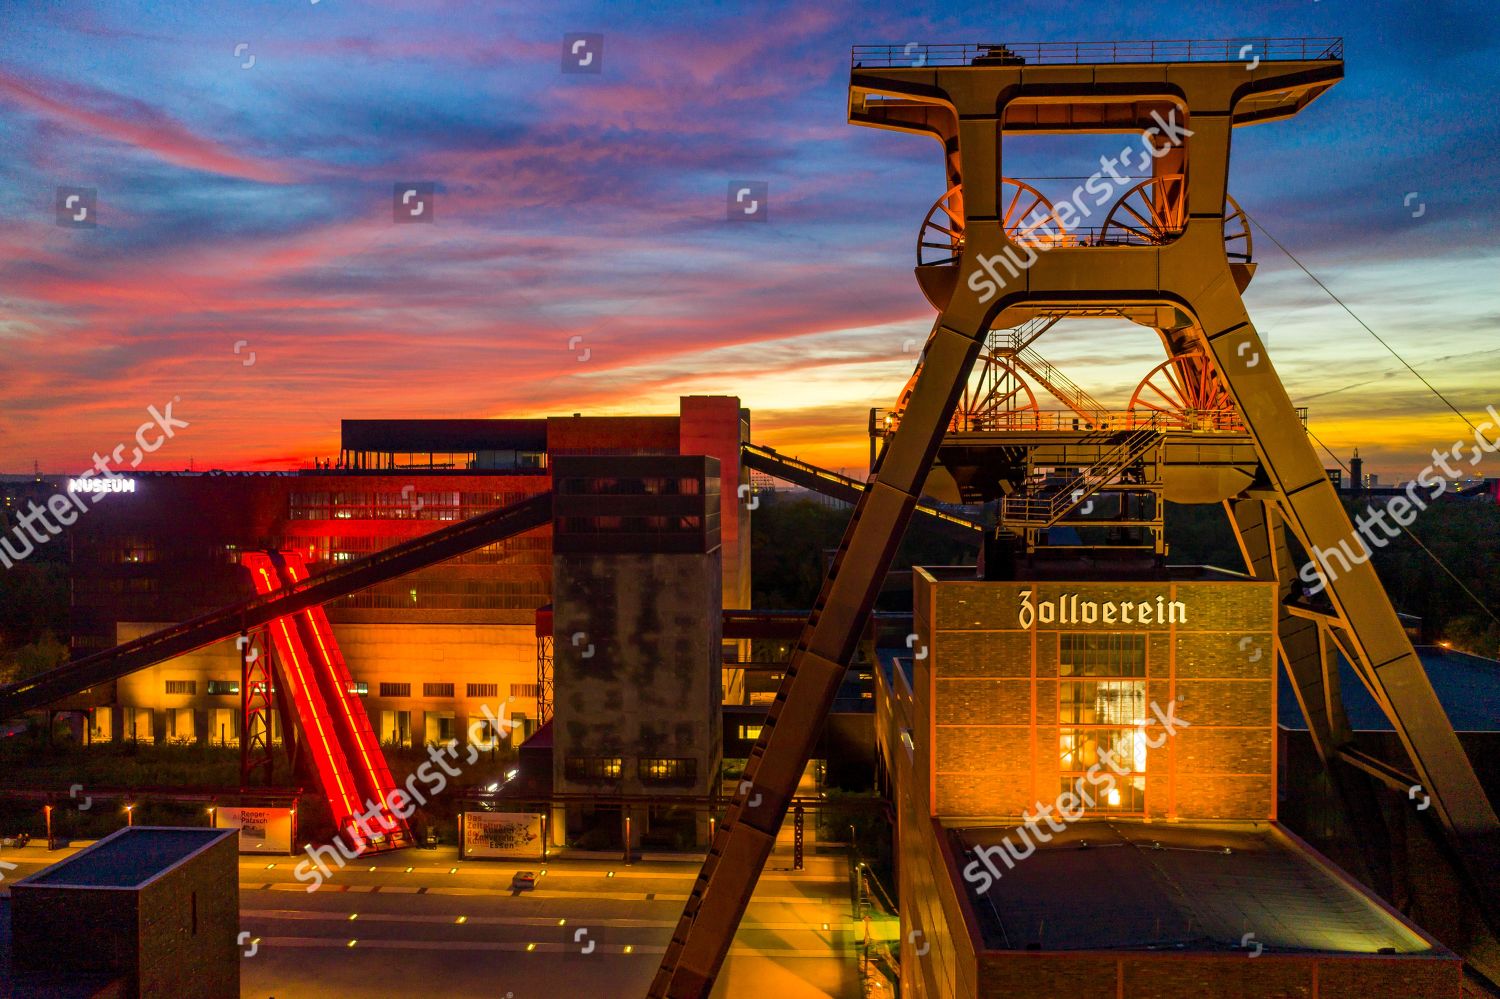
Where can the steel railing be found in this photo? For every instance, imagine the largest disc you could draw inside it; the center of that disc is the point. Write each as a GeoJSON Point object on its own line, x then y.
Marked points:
{"type": "Point", "coordinates": [1219, 421]}
{"type": "Point", "coordinates": [917, 55]}
{"type": "Point", "coordinates": [1066, 391]}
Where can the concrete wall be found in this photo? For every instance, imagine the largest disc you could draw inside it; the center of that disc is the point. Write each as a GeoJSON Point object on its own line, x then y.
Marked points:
{"type": "Point", "coordinates": [716, 426]}
{"type": "Point", "coordinates": [50, 929]}
{"type": "Point", "coordinates": [189, 923]}
{"type": "Point", "coordinates": [643, 678]}
{"type": "Point", "coordinates": [176, 936]}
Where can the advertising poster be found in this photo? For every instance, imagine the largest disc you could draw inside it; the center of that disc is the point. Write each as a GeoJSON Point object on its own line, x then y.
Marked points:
{"type": "Point", "coordinates": [503, 834]}
{"type": "Point", "coordinates": [262, 830]}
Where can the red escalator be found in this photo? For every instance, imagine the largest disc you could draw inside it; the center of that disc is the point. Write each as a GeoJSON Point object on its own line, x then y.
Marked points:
{"type": "Point", "coordinates": [351, 722]}
{"type": "Point", "coordinates": [348, 763]}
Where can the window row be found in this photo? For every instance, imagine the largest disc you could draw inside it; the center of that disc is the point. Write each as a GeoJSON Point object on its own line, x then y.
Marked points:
{"type": "Point", "coordinates": [530, 549]}
{"type": "Point", "coordinates": [631, 486]}
{"type": "Point", "coordinates": [412, 504]}
{"type": "Point", "coordinates": [362, 689]}
{"type": "Point", "coordinates": [471, 690]}
{"type": "Point", "coordinates": [657, 769]}
{"type": "Point", "coordinates": [1101, 654]}
{"type": "Point", "coordinates": [630, 525]}
{"type": "Point", "coordinates": [442, 594]}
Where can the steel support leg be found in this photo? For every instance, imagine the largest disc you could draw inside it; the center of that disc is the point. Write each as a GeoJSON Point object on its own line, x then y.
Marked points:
{"type": "Point", "coordinates": [795, 719]}
{"type": "Point", "coordinates": [1310, 507]}
{"type": "Point", "coordinates": [1307, 651]}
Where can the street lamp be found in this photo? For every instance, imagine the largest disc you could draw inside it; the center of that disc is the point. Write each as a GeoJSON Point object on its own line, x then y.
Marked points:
{"type": "Point", "coordinates": [47, 811]}
{"type": "Point", "coordinates": [130, 815]}
{"type": "Point", "coordinates": [213, 811]}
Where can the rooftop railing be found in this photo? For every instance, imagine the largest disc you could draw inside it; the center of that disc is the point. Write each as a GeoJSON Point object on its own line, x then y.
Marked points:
{"type": "Point", "coordinates": [1217, 421]}
{"type": "Point", "coordinates": [1246, 50]}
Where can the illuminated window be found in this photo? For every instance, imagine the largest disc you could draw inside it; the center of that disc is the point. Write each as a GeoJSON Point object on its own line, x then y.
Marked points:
{"type": "Point", "coordinates": [1101, 702]}
{"type": "Point", "coordinates": [1118, 759]}
{"type": "Point", "coordinates": [585, 768]}
{"type": "Point", "coordinates": [1101, 654]}
{"type": "Point", "coordinates": [359, 687]}
{"type": "Point", "coordinates": [182, 686]}
{"type": "Point", "coordinates": [1123, 794]}
{"type": "Point", "coordinates": [137, 552]}
{"type": "Point", "coordinates": [749, 731]}
{"type": "Point", "coordinates": [223, 687]}
{"type": "Point", "coordinates": [1100, 719]}
{"type": "Point", "coordinates": [667, 769]}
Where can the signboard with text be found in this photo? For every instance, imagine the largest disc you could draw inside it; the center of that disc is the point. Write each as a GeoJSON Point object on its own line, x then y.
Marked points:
{"type": "Point", "coordinates": [502, 834]}
{"type": "Point", "coordinates": [262, 830]}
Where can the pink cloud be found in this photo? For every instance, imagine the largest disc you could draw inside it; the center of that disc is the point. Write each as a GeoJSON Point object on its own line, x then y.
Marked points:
{"type": "Point", "coordinates": [142, 128]}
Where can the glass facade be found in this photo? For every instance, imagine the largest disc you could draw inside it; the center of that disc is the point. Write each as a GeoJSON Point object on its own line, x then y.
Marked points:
{"type": "Point", "coordinates": [1100, 718]}
{"type": "Point", "coordinates": [1101, 654]}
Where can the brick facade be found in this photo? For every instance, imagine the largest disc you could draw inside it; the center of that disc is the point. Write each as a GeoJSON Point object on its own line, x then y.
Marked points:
{"type": "Point", "coordinates": [991, 689]}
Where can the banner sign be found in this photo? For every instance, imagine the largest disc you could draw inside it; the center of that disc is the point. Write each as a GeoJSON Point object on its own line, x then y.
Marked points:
{"type": "Point", "coordinates": [262, 830]}
{"type": "Point", "coordinates": [502, 834]}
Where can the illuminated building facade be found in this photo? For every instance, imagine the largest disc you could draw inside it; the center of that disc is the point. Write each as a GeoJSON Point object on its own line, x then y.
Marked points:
{"type": "Point", "coordinates": [429, 650]}
{"type": "Point", "coordinates": [1084, 770]}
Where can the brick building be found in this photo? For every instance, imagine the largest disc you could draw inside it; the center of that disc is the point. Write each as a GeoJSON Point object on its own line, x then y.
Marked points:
{"type": "Point", "coordinates": [1084, 773]}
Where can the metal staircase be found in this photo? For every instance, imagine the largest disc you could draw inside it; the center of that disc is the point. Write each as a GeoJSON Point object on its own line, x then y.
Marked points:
{"type": "Point", "coordinates": [1012, 341]}
{"type": "Point", "coordinates": [1040, 510]}
{"type": "Point", "coordinates": [1064, 389]}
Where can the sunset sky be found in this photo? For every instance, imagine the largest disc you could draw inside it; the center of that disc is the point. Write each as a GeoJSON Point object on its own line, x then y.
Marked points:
{"type": "Point", "coordinates": [253, 206]}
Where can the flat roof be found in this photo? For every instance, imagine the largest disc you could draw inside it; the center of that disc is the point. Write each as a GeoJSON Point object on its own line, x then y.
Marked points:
{"type": "Point", "coordinates": [416, 436]}
{"type": "Point", "coordinates": [1467, 686]}
{"type": "Point", "coordinates": [128, 858]}
{"type": "Point", "coordinates": [1111, 884]}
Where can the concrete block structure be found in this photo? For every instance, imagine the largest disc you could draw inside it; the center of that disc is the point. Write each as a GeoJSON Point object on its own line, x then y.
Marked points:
{"type": "Point", "coordinates": [637, 615]}
{"type": "Point", "coordinates": [156, 909]}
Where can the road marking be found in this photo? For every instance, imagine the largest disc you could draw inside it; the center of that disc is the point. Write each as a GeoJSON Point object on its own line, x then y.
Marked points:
{"type": "Point", "coordinates": [832, 878]}
{"type": "Point", "coordinates": [292, 915]}
{"type": "Point", "coordinates": [507, 892]}
{"type": "Point", "coordinates": [270, 944]}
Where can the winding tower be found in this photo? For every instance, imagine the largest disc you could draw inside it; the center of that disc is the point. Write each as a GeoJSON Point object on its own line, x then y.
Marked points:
{"type": "Point", "coordinates": [1212, 423]}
